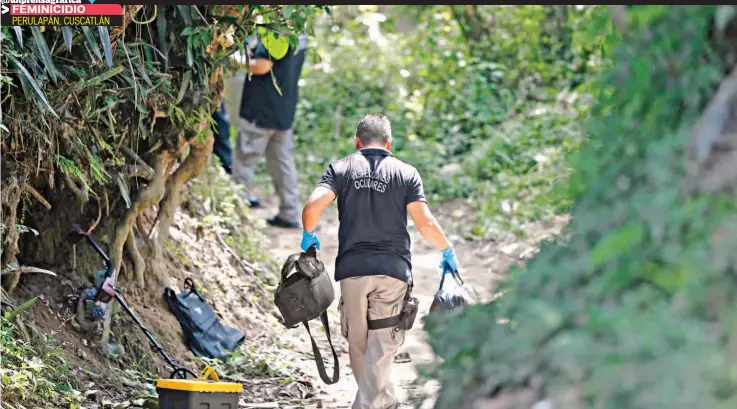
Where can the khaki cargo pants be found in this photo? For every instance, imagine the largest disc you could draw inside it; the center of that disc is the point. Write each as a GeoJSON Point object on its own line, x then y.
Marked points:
{"type": "Point", "coordinates": [278, 145]}
{"type": "Point", "coordinates": [371, 351]}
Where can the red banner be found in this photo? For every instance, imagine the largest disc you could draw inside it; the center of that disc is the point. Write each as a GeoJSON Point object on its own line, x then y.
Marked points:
{"type": "Point", "coordinates": [66, 9]}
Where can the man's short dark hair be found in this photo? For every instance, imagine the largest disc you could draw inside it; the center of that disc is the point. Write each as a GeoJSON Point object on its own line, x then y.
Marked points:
{"type": "Point", "coordinates": [374, 128]}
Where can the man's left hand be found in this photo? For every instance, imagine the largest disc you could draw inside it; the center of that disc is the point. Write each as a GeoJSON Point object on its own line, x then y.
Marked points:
{"type": "Point", "coordinates": [308, 239]}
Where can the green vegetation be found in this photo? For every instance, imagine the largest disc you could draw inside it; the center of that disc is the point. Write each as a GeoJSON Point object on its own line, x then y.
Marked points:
{"type": "Point", "coordinates": [636, 308]}
{"type": "Point", "coordinates": [527, 112]}
{"type": "Point", "coordinates": [218, 203]}
{"type": "Point", "coordinates": [32, 376]}
{"type": "Point", "coordinates": [119, 118]}
{"type": "Point", "coordinates": [483, 109]}
{"type": "Point", "coordinates": [101, 126]}
{"type": "Point", "coordinates": [249, 361]}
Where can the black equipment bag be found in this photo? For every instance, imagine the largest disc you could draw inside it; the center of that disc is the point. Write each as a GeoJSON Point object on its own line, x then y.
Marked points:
{"type": "Point", "coordinates": [455, 296]}
{"type": "Point", "coordinates": [204, 334]}
{"type": "Point", "coordinates": [305, 292]}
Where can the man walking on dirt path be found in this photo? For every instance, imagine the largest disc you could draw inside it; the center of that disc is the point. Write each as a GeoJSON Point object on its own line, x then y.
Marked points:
{"type": "Point", "coordinates": [268, 107]}
{"type": "Point", "coordinates": [375, 191]}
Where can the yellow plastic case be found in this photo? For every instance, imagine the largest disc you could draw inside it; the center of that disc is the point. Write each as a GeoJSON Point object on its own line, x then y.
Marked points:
{"type": "Point", "coordinates": [198, 393]}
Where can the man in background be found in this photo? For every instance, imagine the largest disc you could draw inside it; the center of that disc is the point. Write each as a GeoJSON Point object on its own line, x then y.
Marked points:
{"type": "Point", "coordinates": [267, 112]}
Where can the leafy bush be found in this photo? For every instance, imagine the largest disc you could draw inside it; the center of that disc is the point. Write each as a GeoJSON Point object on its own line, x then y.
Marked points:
{"type": "Point", "coordinates": [120, 116]}
{"type": "Point", "coordinates": [635, 310]}
{"type": "Point", "coordinates": [219, 204]}
{"type": "Point", "coordinates": [32, 376]}
{"type": "Point", "coordinates": [248, 361]}
{"type": "Point", "coordinates": [518, 171]}
{"type": "Point", "coordinates": [471, 116]}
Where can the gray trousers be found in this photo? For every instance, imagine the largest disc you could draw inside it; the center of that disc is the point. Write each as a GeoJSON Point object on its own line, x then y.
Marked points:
{"type": "Point", "coordinates": [278, 145]}
{"type": "Point", "coordinates": [371, 352]}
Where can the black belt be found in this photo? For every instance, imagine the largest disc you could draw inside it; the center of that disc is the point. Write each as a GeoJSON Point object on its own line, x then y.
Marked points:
{"type": "Point", "coordinates": [384, 322]}
{"type": "Point", "coordinates": [392, 321]}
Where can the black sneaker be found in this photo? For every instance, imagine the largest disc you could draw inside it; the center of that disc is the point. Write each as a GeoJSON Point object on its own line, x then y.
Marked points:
{"type": "Point", "coordinates": [251, 200]}
{"type": "Point", "coordinates": [277, 221]}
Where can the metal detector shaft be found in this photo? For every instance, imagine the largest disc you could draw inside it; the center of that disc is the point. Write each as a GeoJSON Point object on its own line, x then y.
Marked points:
{"type": "Point", "coordinates": [176, 368]}
{"type": "Point", "coordinates": [107, 290]}
{"type": "Point", "coordinates": [109, 267]}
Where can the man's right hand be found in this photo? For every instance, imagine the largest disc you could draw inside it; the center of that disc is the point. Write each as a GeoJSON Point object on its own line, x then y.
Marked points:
{"type": "Point", "coordinates": [308, 239]}
{"type": "Point", "coordinates": [450, 261]}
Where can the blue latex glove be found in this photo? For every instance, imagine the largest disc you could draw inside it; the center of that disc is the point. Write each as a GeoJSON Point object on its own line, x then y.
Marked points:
{"type": "Point", "coordinates": [308, 239]}
{"type": "Point", "coordinates": [450, 262]}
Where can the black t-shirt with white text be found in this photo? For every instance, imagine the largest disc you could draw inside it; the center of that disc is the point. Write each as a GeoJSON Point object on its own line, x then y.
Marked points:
{"type": "Point", "coordinates": [373, 190]}
{"type": "Point", "coordinates": [261, 102]}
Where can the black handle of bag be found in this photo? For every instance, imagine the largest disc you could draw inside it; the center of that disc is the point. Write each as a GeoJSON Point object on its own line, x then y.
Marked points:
{"type": "Point", "coordinates": [456, 275]}
{"type": "Point", "coordinates": [189, 287]}
{"type": "Point", "coordinates": [287, 267]}
{"type": "Point", "coordinates": [318, 357]}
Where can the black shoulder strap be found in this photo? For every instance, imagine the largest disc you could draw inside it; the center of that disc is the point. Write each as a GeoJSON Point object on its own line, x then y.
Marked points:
{"type": "Point", "coordinates": [318, 357]}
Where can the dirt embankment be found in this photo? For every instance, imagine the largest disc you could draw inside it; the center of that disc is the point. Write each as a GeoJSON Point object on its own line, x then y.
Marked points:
{"type": "Point", "coordinates": [239, 290]}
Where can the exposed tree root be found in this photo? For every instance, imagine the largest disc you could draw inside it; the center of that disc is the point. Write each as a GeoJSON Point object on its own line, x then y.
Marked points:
{"type": "Point", "coordinates": [136, 159]}
{"type": "Point", "coordinates": [82, 193]}
{"type": "Point", "coordinates": [105, 338]}
{"type": "Point", "coordinates": [30, 269]}
{"type": "Point", "coordinates": [147, 197]}
{"type": "Point", "coordinates": [38, 196]}
{"type": "Point", "coordinates": [11, 195]}
{"type": "Point", "coordinates": [82, 320]}
{"type": "Point", "coordinates": [139, 264]}
{"type": "Point", "coordinates": [11, 283]}
{"type": "Point", "coordinates": [136, 171]}
{"type": "Point", "coordinates": [199, 152]}
{"type": "Point", "coordinates": [139, 168]}
{"type": "Point", "coordinates": [99, 215]}
{"type": "Point", "coordinates": [190, 167]}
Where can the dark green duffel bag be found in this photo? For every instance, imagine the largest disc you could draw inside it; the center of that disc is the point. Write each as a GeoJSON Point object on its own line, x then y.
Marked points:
{"type": "Point", "coordinates": [305, 292]}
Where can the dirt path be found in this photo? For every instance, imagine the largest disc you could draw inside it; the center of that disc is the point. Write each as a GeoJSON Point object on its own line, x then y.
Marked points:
{"type": "Point", "coordinates": [482, 264]}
